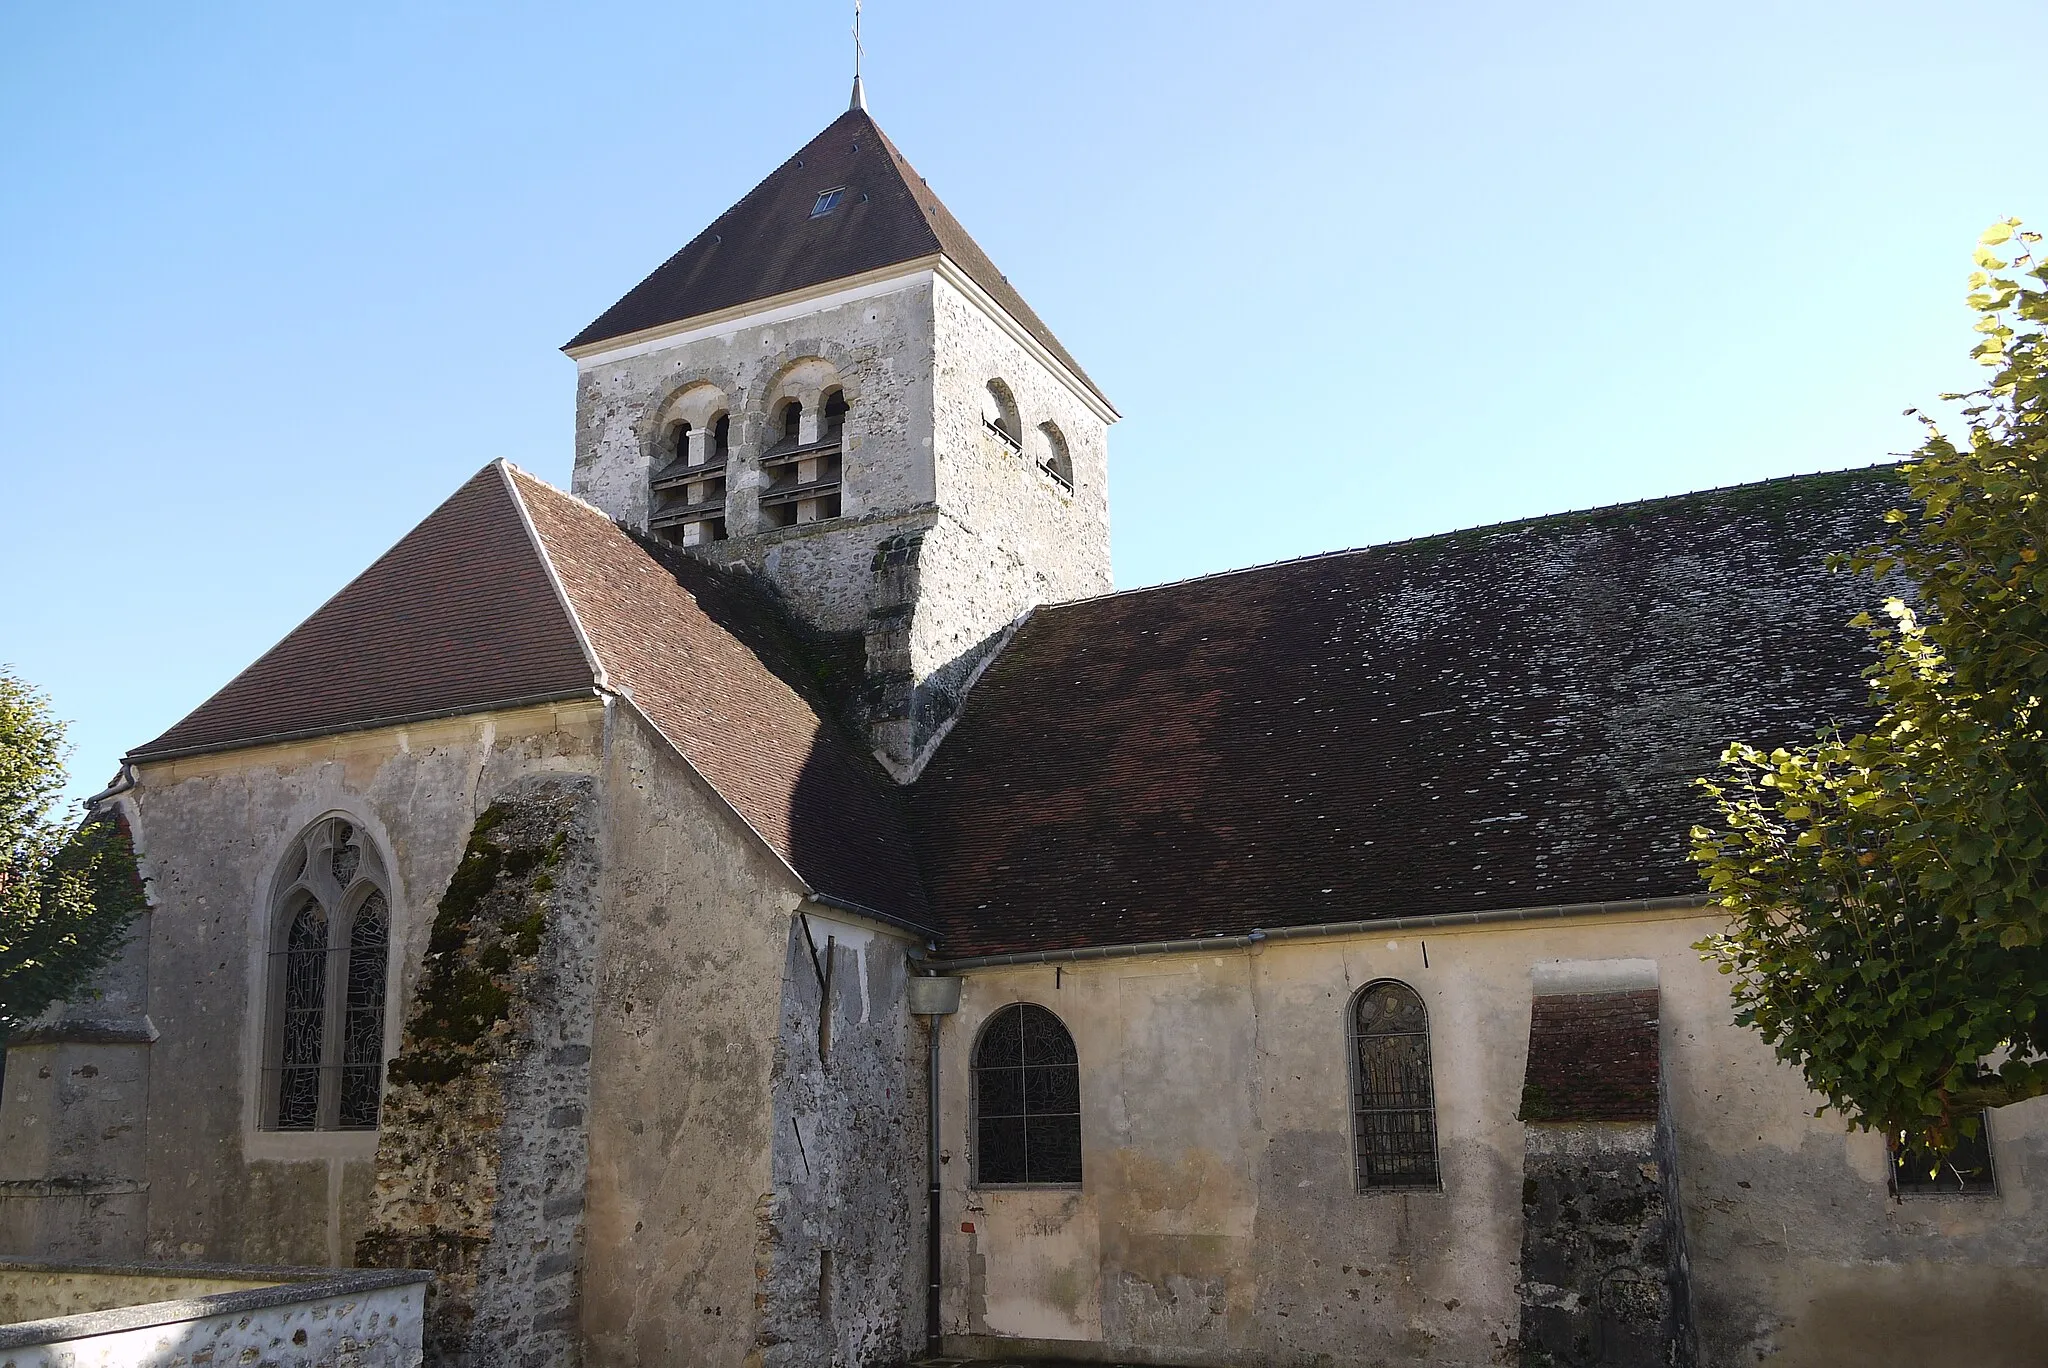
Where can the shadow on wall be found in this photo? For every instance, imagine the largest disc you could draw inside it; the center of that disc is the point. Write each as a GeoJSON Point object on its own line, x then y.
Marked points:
{"type": "Point", "coordinates": [1918, 1316]}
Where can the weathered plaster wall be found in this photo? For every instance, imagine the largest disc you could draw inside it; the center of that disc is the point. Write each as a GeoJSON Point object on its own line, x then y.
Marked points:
{"type": "Point", "coordinates": [211, 830]}
{"type": "Point", "coordinates": [845, 1271]}
{"type": "Point", "coordinates": [1217, 1222]}
{"type": "Point", "coordinates": [481, 1151]}
{"type": "Point", "coordinates": [704, 1217]}
{"type": "Point", "coordinates": [690, 975]}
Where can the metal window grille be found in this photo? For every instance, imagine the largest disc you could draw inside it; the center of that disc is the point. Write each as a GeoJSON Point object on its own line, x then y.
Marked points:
{"type": "Point", "coordinates": [1027, 1093]}
{"type": "Point", "coordinates": [324, 1060]}
{"type": "Point", "coordinates": [1964, 1171]}
{"type": "Point", "coordinates": [1393, 1101]}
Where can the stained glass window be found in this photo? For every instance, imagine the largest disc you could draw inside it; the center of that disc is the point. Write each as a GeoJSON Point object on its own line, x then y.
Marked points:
{"type": "Point", "coordinates": [304, 1019]}
{"type": "Point", "coordinates": [362, 1048]}
{"type": "Point", "coordinates": [1393, 1099]}
{"type": "Point", "coordinates": [325, 1058]}
{"type": "Point", "coordinates": [1027, 1093]}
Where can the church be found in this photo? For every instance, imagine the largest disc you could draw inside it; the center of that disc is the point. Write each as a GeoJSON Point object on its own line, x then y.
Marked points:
{"type": "Point", "coordinates": [775, 903]}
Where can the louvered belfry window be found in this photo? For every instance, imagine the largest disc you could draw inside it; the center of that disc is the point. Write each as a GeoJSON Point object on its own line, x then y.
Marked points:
{"type": "Point", "coordinates": [329, 958]}
{"type": "Point", "coordinates": [1027, 1098]}
{"type": "Point", "coordinates": [1393, 1100]}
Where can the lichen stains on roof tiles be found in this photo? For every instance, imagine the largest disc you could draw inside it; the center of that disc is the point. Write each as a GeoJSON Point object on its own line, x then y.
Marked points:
{"type": "Point", "coordinates": [1495, 718]}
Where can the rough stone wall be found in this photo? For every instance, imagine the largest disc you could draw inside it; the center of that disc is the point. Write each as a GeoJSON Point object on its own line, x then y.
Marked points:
{"type": "Point", "coordinates": [690, 972]}
{"type": "Point", "coordinates": [1603, 1279]}
{"type": "Point", "coordinates": [1596, 1249]}
{"type": "Point", "coordinates": [481, 1154]}
{"type": "Point", "coordinates": [880, 347]}
{"type": "Point", "coordinates": [843, 1273]}
{"type": "Point", "coordinates": [1009, 536]}
{"type": "Point", "coordinates": [1217, 1222]}
{"type": "Point", "coordinates": [73, 1132]}
{"type": "Point", "coordinates": [211, 831]}
{"type": "Point", "coordinates": [995, 534]}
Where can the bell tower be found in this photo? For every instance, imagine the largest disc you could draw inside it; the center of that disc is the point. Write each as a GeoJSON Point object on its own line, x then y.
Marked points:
{"type": "Point", "coordinates": [833, 388]}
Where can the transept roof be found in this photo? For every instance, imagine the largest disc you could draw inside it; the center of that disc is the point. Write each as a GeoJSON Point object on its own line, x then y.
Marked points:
{"type": "Point", "coordinates": [462, 616]}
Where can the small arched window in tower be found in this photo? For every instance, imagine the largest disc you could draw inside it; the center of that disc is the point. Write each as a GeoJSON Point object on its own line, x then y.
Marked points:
{"type": "Point", "coordinates": [1393, 1099]}
{"type": "Point", "coordinates": [803, 478]}
{"type": "Point", "coordinates": [999, 414]}
{"type": "Point", "coordinates": [689, 492]}
{"type": "Point", "coordinates": [1027, 1099]}
{"type": "Point", "coordinates": [1054, 460]}
{"type": "Point", "coordinates": [329, 971]}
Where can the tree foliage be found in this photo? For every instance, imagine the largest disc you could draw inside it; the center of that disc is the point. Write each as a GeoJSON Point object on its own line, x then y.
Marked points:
{"type": "Point", "coordinates": [1889, 889]}
{"type": "Point", "coordinates": [67, 892]}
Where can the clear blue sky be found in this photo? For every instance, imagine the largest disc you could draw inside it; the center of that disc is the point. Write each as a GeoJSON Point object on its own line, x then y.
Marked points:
{"type": "Point", "coordinates": [274, 279]}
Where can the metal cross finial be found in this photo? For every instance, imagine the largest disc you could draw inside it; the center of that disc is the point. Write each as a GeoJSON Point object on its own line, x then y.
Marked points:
{"type": "Point", "coordinates": [859, 99]}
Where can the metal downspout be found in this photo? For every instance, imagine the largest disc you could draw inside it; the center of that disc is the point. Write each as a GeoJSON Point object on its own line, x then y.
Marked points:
{"type": "Point", "coordinates": [931, 1237]}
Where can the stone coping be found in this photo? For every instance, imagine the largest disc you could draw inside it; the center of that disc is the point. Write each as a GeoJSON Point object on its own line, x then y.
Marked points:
{"type": "Point", "coordinates": [290, 1285]}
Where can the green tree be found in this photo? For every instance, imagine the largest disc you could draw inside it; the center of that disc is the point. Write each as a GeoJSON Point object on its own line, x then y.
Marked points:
{"type": "Point", "coordinates": [67, 891]}
{"type": "Point", "coordinates": [1889, 890]}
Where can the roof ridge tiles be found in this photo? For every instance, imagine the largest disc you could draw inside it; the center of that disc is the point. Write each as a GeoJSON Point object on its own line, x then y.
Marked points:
{"type": "Point", "coordinates": [1476, 529]}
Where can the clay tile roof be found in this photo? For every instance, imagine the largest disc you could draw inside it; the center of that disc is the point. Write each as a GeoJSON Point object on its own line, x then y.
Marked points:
{"type": "Point", "coordinates": [1592, 1057]}
{"type": "Point", "coordinates": [768, 244]}
{"type": "Point", "coordinates": [1500, 718]}
{"type": "Point", "coordinates": [457, 617]}
{"type": "Point", "coordinates": [462, 616]}
{"type": "Point", "coordinates": [717, 669]}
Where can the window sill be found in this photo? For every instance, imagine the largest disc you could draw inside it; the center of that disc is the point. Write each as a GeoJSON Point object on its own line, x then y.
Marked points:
{"type": "Point", "coordinates": [345, 1145]}
{"type": "Point", "coordinates": [1024, 1187]}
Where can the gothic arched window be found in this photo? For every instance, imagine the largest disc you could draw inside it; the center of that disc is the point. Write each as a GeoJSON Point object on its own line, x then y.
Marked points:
{"type": "Point", "coordinates": [1027, 1099]}
{"type": "Point", "coordinates": [1393, 1101]}
{"type": "Point", "coordinates": [330, 954]}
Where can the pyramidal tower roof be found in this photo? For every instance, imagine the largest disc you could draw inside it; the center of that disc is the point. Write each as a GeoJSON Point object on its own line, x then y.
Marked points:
{"type": "Point", "coordinates": [772, 242]}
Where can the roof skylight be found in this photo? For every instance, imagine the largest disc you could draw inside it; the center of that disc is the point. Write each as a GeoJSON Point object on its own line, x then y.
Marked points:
{"type": "Point", "coordinates": [828, 200]}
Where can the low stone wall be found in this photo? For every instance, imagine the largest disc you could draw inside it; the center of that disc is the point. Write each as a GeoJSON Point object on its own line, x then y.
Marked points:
{"type": "Point", "coordinates": [151, 1317]}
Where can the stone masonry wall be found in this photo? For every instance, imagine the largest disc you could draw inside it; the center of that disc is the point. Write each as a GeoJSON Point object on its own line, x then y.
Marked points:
{"type": "Point", "coordinates": [482, 1156]}
{"type": "Point", "coordinates": [879, 349]}
{"type": "Point", "coordinates": [842, 1237]}
{"type": "Point", "coordinates": [1603, 1275]}
{"type": "Point", "coordinates": [74, 1091]}
{"type": "Point", "coordinates": [994, 534]}
{"type": "Point", "coordinates": [1009, 536]}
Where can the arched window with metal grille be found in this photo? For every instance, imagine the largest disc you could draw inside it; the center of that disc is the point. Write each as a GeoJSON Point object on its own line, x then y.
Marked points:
{"type": "Point", "coordinates": [1393, 1099]}
{"type": "Point", "coordinates": [329, 970]}
{"type": "Point", "coordinates": [1027, 1099]}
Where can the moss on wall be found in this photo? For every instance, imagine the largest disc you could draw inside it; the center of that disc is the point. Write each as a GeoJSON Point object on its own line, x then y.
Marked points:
{"type": "Point", "coordinates": [481, 1148]}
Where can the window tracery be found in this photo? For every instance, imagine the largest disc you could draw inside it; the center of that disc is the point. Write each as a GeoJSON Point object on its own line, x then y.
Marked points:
{"type": "Point", "coordinates": [330, 969]}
